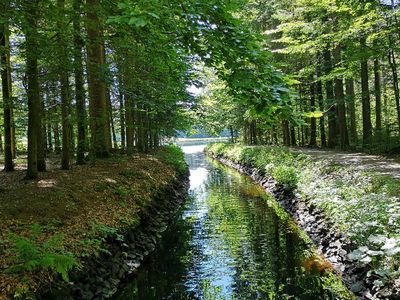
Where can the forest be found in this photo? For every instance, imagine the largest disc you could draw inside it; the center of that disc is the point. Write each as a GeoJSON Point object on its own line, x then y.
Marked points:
{"type": "Point", "coordinates": [309, 73]}
{"type": "Point", "coordinates": [95, 93]}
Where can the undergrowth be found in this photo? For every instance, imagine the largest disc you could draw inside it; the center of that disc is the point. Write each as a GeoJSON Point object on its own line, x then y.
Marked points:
{"type": "Point", "coordinates": [36, 252]}
{"type": "Point", "coordinates": [365, 206]}
{"type": "Point", "coordinates": [173, 155]}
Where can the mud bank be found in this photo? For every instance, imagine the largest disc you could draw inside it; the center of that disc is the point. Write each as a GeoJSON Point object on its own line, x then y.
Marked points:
{"type": "Point", "coordinates": [122, 254]}
{"type": "Point", "coordinates": [330, 242]}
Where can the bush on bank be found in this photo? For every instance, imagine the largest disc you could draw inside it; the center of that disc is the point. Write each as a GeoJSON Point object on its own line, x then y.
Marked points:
{"type": "Point", "coordinates": [363, 205]}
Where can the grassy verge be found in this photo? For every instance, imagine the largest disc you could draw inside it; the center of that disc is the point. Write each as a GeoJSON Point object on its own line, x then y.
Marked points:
{"type": "Point", "coordinates": [365, 206]}
{"type": "Point", "coordinates": [48, 227]}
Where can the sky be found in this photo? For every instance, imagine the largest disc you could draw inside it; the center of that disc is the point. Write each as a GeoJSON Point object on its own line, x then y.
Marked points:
{"type": "Point", "coordinates": [389, 2]}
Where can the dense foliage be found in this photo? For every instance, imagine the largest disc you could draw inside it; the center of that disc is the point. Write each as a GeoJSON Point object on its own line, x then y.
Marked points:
{"type": "Point", "coordinates": [93, 76]}
{"type": "Point", "coordinates": [339, 60]}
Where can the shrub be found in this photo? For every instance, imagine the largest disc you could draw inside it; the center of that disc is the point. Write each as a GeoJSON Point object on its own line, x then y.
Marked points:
{"type": "Point", "coordinates": [286, 176]}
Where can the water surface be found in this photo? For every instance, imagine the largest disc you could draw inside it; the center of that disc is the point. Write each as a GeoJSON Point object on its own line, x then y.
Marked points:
{"type": "Point", "coordinates": [230, 241]}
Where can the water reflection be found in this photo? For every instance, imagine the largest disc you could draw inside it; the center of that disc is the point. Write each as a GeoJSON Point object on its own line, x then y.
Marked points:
{"type": "Point", "coordinates": [227, 243]}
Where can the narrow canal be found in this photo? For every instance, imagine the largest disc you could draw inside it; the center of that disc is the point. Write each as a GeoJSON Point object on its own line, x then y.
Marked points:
{"type": "Point", "coordinates": [230, 241]}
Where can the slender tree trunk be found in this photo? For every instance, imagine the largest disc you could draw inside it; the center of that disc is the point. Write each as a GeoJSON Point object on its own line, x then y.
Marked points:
{"type": "Point", "coordinates": [293, 136]}
{"type": "Point", "coordinates": [366, 102]}
{"type": "Point", "coordinates": [274, 135]}
{"type": "Point", "coordinates": [340, 102]}
{"type": "Point", "coordinates": [44, 128]}
{"type": "Point", "coordinates": [64, 84]}
{"type": "Point", "coordinates": [140, 129]}
{"type": "Point", "coordinates": [351, 107]}
{"type": "Point", "coordinates": [129, 124]}
{"type": "Point", "coordinates": [111, 120]}
{"type": "Point", "coordinates": [313, 121]}
{"type": "Point", "coordinates": [286, 133]}
{"type": "Point", "coordinates": [386, 111]}
{"type": "Point", "coordinates": [49, 137]}
{"type": "Point", "coordinates": [100, 145]}
{"type": "Point", "coordinates": [41, 138]}
{"type": "Point", "coordinates": [79, 88]}
{"type": "Point", "coordinates": [320, 97]}
{"type": "Point", "coordinates": [393, 66]}
{"type": "Point", "coordinates": [5, 66]}
{"type": "Point", "coordinates": [378, 96]}
{"type": "Point", "coordinates": [330, 100]}
{"type": "Point", "coordinates": [121, 113]}
{"type": "Point", "coordinates": [31, 36]}
{"type": "Point", "coordinates": [57, 143]}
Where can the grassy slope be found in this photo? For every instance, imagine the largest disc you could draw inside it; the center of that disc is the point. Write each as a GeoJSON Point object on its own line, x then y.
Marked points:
{"type": "Point", "coordinates": [364, 206]}
{"type": "Point", "coordinates": [77, 207]}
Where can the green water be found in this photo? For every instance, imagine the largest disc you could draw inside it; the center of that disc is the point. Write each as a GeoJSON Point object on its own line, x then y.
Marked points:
{"type": "Point", "coordinates": [230, 241]}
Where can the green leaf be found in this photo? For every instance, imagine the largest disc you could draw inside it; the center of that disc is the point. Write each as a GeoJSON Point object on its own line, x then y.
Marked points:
{"type": "Point", "coordinates": [154, 15]}
{"type": "Point", "coordinates": [137, 21]}
{"type": "Point", "coordinates": [314, 114]}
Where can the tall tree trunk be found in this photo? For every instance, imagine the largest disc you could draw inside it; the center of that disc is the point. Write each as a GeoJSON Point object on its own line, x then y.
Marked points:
{"type": "Point", "coordinates": [64, 84]}
{"type": "Point", "coordinates": [330, 100]}
{"type": "Point", "coordinates": [320, 96]}
{"type": "Point", "coordinates": [393, 66]}
{"type": "Point", "coordinates": [286, 133]}
{"type": "Point", "coordinates": [386, 112]}
{"type": "Point", "coordinates": [140, 128]}
{"type": "Point", "coordinates": [49, 137]}
{"type": "Point", "coordinates": [99, 126]}
{"type": "Point", "coordinates": [313, 121]}
{"type": "Point", "coordinates": [44, 127]}
{"type": "Point", "coordinates": [79, 88]}
{"type": "Point", "coordinates": [31, 37]}
{"type": "Point", "coordinates": [351, 107]}
{"type": "Point", "coordinates": [41, 138]}
{"type": "Point", "coordinates": [293, 135]}
{"type": "Point", "coordinates": [111, 120]}
{"type": "Point", "coordinates": [340, 102]}
{"type": "Point", "coordinates": [378, 96]}
{"type": "Point", "coordinates": [366, 101]}
{"type": "Point", "coordinates": [129, 106]}
{"type": "Point", "coordinates": [57, 143]}
{"type": "Point", "coordinates": [274, 135]}
{"type": "Point", "coordinates": [121, 112]}
{"type": "Point", "coordinates": [5, 66]}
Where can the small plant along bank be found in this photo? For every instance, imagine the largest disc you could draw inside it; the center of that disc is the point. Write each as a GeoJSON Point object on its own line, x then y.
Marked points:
{"type": "Point", "coordinates": [351, 215]}
{"type": "Point", "coordinates": [96, 225]}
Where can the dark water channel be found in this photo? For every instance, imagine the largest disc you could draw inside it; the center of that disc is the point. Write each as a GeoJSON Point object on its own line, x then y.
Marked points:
{"type": "Point", "coordinates": [230, 241]}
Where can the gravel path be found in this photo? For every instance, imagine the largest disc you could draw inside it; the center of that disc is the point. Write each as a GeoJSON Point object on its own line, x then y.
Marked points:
{"type": "Point", "coordinates": [361, 161]}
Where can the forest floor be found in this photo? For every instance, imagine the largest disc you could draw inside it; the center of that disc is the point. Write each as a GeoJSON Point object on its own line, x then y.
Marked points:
{"type": "Point", "coordinates": [387, 166]}
{"type": "Point", "coordinates": [75, 206]}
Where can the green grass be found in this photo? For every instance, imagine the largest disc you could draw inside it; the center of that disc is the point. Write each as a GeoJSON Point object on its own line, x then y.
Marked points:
{"type": "Point", "coordinates": [173, 155]}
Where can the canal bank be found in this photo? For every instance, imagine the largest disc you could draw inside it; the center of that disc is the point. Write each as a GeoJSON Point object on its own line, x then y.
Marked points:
{"type": "Point", "coordinates": [76, 234]}
{"type": "Point", "coordinates": [231, 240]}
{"type": "Point", "coordinates": [311, 191]}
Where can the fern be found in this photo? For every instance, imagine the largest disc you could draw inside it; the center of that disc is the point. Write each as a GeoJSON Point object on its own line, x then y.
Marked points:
{"type": "Point", "coordinates": [31, 254]}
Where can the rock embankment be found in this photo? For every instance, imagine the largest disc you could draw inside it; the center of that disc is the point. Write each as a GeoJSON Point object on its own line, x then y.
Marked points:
{"type": "Point", "coordinates": [122, 255]}
{"type": "Point", "coordinates": [331, 243]}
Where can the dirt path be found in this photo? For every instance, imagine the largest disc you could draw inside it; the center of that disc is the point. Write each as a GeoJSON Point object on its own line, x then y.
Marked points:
{"type": "Point", "coordinates": [361, 161]}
